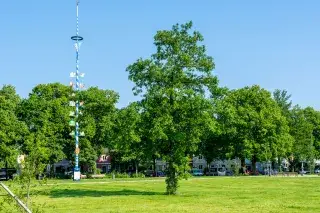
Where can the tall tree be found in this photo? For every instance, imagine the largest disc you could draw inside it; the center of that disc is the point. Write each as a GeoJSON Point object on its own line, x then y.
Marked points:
{"type": "Point", "coordinates": [283, 100]}
{"type": "Point", "coordinates": [127, 130]}
{"type": "Point", "coordinates": [12, 130]}
{"type": "Point", "coordinates": [46, 113]}
{"type": "Point", "coordinates": [303, 130]}
{"type": "Point", "coordinates": [173, 83]}
{"type": "Point", "coordinates": [97, 122]}
{"type": "Point", "coordinates": [254, 125]}
{"type": "Point", "coordinates": [99, 113]}
{"type": "Point", "coordinates": [214, 143]}
{"type": "Point", "coordinates": [313, 117]}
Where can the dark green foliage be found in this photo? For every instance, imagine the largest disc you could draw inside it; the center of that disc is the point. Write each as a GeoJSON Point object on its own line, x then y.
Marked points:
{"type": "Point", "coordinates": [254, 125]}
{"type": "Point", "coordinates": [173, 83]}
{"type": "Point", "coordinates": [46, 113]}
{"type": "Point", "coordinates": [12, 130]}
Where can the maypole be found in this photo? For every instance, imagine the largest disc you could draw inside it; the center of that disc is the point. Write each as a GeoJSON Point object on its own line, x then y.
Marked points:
{"type": "Point", "coordinates": [75, 102]}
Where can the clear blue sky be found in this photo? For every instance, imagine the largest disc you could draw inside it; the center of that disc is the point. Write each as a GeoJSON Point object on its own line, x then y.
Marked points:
{"type": "Point", "coordinates": [275, 44]}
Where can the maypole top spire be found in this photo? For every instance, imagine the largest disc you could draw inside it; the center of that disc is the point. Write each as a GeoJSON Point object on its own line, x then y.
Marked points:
{"type": "Point", "coordinates": [77, 37]}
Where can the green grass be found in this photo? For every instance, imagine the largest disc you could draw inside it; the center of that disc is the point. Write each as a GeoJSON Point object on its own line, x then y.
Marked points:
{"type": "Point", "coordinates": [215, 194]}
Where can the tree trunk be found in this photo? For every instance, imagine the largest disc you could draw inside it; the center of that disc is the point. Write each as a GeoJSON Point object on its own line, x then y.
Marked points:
{"type": "Point", "coordinates": [28, 191]}
{"type": "Point", "coordinates": [172, 179]}
{"type": "Point", "coordinates": [7, 177]}
{"type": "Point", "coordinates": [243, 165]}
{"type": "Point", "coordinates": [154, 165]}
{"type": "Point", "coordinates": [273, 165]}
{"type": "Point", "coordinates": [136, 165]}
{"type": "Point", "coordinates": [279, 164]}
{"type": "Point", "coordinates": [292, 166]}
{"type": "Point", "coordinates": [254, 164]}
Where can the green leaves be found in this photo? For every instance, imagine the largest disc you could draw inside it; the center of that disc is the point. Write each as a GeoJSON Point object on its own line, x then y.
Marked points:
{"type": "Point", "coordinates": [12, 130]}
{"type": "Point", "coordinates": [127, 128]}
{"type": "Point", "coordinates": [98, 116]}
{"type": "Point", "coordinates": [254, 124]}
{"type": "Point", "coordinates": [46, 113]}
{"type": "Point", "coordinates": [173, 83]}
{"type": "Point", "coordinates": [303, 128]}
{"type": "Point", "coordinates": [179, 62]}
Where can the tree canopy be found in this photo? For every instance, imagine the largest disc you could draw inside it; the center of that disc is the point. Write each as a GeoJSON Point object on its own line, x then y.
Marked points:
{"type": "Point", "coordinates": [173, 82]}
{"type": "Point", "coordinates": [254, 125]}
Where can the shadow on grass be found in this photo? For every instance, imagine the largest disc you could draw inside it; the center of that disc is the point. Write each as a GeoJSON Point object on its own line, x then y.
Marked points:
{"type": "Point", "coordinates": [60, 193]}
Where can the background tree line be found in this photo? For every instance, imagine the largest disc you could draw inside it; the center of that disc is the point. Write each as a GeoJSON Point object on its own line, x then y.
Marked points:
{"type": "Point", "coordinates": [182, 112]}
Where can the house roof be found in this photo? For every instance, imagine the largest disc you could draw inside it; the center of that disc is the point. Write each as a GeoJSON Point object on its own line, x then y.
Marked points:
{"type": "Point", "coordinates": [106, 160]}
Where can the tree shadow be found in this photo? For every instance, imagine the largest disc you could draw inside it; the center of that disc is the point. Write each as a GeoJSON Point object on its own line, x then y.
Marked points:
{"type": "Point", "coordinates": [60, 193]}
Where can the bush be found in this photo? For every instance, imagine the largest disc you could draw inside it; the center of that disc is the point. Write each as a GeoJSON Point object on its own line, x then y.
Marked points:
{"type": "Point", "coordinates": [117, 175]}
{"type": "Point", "coordinates": [125, 175]}
{"type": "Point", "coordinates": [62, 176]}
{"type": "Point", "coordinates": [235, 168]}
{"type": "Point", "coordinates": [139, 175]}
{"type": "Point", "coordinates": [109, 175]}
{"type": "Point", "coordinates": [122, 175]}
{"type": "Point", "coordinates": [89, 175]}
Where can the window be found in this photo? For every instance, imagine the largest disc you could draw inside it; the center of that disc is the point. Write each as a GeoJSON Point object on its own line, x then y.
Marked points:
{"type": "Point", "coordinates": [200, 157]}
{"type": "Point", "coordinates": [200, 166]}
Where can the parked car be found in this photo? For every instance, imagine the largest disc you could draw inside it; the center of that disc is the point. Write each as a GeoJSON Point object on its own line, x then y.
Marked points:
{"type": "Point", "coordinates": [160, 174]}
{"type": "Point", "coordinates": [11, 173]}
{"type": "Point", "coordinates": [149, 173]}
{"type": "Point", "coordinates": [229, 173]}
{"type": "Point", "coordinates": [212, 172]}
{"type": "Point", "coordinates": [302, 172]}
{"type": "Point", "coordinates": [252, 173]}
{"type": "Point", "coordinates": [317, 171]}
{"type": "Point", "coordinates": [196, 172]}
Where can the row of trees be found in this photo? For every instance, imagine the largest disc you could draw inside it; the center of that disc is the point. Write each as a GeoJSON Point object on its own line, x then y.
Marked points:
{"type": "Point", "coordinates": [182, 112]}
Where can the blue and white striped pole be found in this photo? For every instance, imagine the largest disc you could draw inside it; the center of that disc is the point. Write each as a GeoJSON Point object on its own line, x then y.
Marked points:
{"type": "Point", "coordinates": [78, 85]}
{"type": "Point", "coordinates": [77, 169]}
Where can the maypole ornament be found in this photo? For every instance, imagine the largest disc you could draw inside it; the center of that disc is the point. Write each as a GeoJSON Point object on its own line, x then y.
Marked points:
{"type": "Point", "coordinates": [76, 85]}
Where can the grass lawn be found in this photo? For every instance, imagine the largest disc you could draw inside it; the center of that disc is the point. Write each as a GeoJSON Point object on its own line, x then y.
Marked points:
{"type": "Point", "coordinates": [214, 194]}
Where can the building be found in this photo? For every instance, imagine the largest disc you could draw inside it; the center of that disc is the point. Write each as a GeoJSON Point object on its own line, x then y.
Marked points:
{"type": "Point", "coordinates": [104, 163]}
{"type": "Point", "coordinates": [196, 163]}
{"type": "Point", "coordinates": [63, 166]}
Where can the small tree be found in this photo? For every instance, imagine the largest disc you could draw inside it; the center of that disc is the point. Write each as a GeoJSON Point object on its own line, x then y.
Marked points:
{"type": "Point", "coordinates": [31, 168]}
{"type": "Point", "coordinates": [33, 165]}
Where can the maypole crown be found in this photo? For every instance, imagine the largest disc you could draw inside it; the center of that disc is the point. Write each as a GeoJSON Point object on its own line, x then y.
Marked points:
{"type": "Point", "coordinates": [76, 38]}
